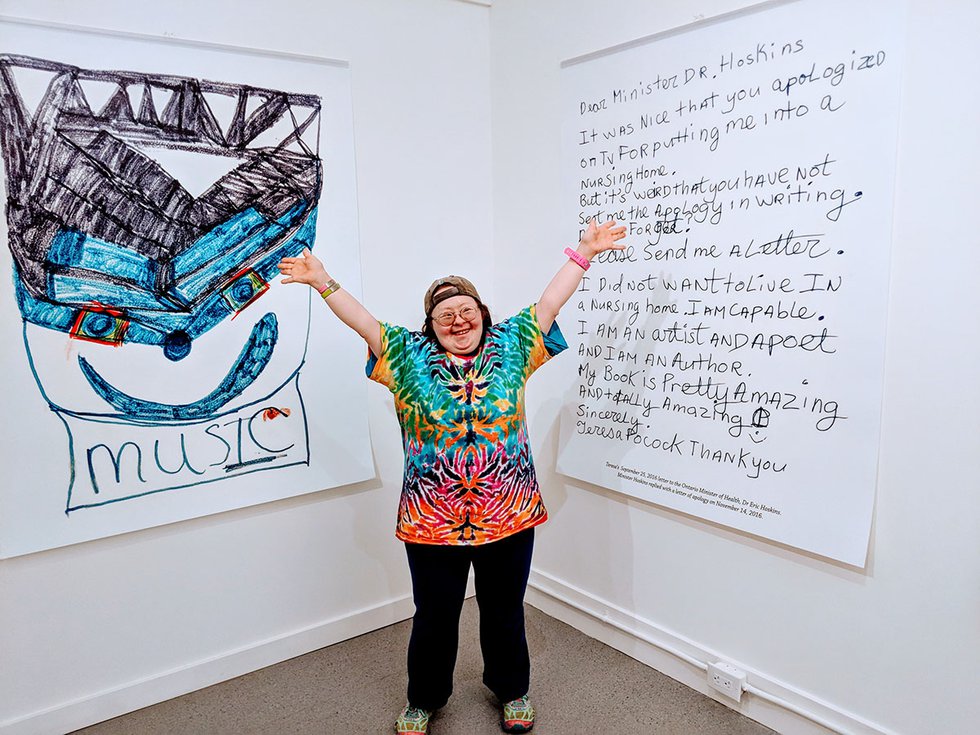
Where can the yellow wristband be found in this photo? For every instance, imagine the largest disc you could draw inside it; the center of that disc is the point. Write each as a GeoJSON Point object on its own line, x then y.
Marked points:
{"type": "Point", "coordinates": [331, 287]}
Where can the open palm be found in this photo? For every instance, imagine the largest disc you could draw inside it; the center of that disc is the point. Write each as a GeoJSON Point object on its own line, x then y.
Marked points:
{"type": "Point", "coordinates": [599, 238]}
{"type": "Point", "coordinates": [306, 269]}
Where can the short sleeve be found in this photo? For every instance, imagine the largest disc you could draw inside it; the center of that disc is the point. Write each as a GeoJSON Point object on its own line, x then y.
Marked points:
{"type": "Point", "coordinates": [398, 346]}
{"type": "Point", "coordinates": [554, 340]}
{"type": "Point", "coordinates": [522, 335]}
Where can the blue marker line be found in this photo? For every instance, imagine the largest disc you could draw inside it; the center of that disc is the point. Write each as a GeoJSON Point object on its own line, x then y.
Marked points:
{"type": "Point", "coordinates": [53, 316]}
{"type": "Point", "coordinates": [267, 267]}
{"type": "Point", "coordinates": [260, 467]}
{"type": "Point", "coordinates": [83, 291]}
{"type": "Point", "coordinates": [254, 357]}
{"type": "Point", "coordinates": [216, 241]}
{"type": "Point", "coordinates": [155, 317]}
{"type": "Point", "coordinates": [231, 254]}
{"type": "Point", "coordinates": [74, 249]}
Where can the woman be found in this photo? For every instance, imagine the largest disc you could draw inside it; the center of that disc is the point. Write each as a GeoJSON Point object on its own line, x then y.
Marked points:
{"type": "Point", "coordinates": [469, 492]}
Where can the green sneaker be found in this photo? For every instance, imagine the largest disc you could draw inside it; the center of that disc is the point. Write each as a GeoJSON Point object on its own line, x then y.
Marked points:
{"type": "Point", "coordinates": [518, 715]}
{"type": "Point", "coordinates": [412, 719]}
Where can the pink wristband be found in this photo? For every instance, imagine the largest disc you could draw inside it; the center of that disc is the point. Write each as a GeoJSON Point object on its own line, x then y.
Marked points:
{"type": "Point", "coordinates": [577, 259]}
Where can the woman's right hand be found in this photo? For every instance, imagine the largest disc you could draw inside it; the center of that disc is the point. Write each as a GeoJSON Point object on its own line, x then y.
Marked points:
{"type": "Point", "coordinates": [306, 269]}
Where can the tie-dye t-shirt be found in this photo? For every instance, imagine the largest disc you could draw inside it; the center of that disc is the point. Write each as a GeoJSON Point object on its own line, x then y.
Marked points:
{"type": "Point", "coordinates": [469, 476]}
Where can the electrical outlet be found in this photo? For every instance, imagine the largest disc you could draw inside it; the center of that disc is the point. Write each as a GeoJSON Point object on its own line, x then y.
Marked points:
{"type": "Point", "coordinates": [727, 679]}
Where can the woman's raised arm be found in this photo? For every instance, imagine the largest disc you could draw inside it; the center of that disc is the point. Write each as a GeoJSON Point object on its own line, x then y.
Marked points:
{"type": "Point", "coordinates": [309, 269]}
{"type": "Point", "coordinates": [595, 239]}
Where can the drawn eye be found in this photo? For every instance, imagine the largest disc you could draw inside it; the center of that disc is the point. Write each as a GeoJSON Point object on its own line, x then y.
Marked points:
{"type": "Point", "coordinates": [105, 327]}
{"type": "Point", "coordinates": [244, 288]}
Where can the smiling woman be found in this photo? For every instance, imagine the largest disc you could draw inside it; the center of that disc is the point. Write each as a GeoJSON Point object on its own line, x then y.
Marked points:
{"type": "Point", "coordinates": [456, 318]}
{"type": "Point", "coordinates": [469, 490]}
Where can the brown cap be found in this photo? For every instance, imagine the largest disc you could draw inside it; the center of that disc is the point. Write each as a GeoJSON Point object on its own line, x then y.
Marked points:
{"type": "Point", "coordinates": [453, 286]}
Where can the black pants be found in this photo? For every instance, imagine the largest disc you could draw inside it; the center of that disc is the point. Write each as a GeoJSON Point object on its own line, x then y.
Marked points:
{"type": "Point", "coordinates": [439, 576]}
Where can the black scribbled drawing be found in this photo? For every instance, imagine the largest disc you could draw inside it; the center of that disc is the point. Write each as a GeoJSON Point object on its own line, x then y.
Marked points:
{"type": "Point", "coordinates": [111, 246]}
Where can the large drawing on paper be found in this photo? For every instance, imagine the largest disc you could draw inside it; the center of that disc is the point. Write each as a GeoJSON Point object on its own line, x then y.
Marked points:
{"type": "Point", "coordinates": [146, 214]}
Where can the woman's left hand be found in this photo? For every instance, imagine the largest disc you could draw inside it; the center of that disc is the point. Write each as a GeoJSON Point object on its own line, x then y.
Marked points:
{"type": "Point", "coordinates": [599, 238]}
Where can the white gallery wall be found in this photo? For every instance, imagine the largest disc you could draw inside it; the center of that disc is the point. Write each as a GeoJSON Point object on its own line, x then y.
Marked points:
{"type": "Point", "coordinates": [890, 648]}
{"type": "Point", "coordinates": [96, 629]}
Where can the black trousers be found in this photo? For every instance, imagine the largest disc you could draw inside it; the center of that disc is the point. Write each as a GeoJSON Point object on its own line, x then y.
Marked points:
{"type": "Point", "coordinates": [439, 576]}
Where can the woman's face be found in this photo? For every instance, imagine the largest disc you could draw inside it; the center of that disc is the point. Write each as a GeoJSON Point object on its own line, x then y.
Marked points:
{"type": "Point", "coordinates": [462, 335]}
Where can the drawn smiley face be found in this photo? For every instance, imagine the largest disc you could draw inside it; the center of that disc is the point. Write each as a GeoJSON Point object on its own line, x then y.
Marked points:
{"type": "Point", "coordinates": [239, 361]}
{"type": "Point", "coordinates": [212, 339]}
{"type": "Point", "coordinates": [760, 421]}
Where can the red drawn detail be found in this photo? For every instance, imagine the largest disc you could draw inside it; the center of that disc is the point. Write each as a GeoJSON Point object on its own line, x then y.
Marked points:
{"type": "Point", "coordinates": [271, 413]}
{"type": "Point", "coordinates": [114, 337]}
{"type": "Point", "coordinates": [259, 287]}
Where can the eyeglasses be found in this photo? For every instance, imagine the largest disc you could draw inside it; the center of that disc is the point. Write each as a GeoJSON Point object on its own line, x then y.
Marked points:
{"type": "Point", "coordinates": [467, 314]}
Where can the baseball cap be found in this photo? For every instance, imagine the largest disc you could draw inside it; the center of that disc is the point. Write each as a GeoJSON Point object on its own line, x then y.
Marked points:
{"type": "Point", "coordinates": [452, 286]}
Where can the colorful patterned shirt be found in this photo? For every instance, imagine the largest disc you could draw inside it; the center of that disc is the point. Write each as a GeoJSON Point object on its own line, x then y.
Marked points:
{"type": "Point", "coordinates": [469, 476]}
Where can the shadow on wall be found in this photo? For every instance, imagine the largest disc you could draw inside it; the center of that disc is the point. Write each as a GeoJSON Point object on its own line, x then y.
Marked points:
{"type": "Point", "coordinates": [610, 524]}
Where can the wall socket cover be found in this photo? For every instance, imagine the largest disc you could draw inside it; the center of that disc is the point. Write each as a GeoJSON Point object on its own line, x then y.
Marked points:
{"type": "Point", "coordinates": [727, 679]}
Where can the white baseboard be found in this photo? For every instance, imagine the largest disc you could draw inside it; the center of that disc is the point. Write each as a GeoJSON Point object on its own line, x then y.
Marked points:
{"type": "Point", "coordinates": [768, 701]}
{"type": "Point", "coordinates": [773, 703]}
{"type": "Point", "coordinates": [199, 674]}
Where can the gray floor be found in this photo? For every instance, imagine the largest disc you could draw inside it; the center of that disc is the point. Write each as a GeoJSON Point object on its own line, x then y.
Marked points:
{"type": "Point", "coordinates": [579, 686]}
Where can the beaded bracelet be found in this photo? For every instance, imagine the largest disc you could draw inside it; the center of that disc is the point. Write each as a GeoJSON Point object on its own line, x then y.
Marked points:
{"type": "Point", "coordinates": [577, 259]}
{"type": "Point", "coordinates": [330, 287]}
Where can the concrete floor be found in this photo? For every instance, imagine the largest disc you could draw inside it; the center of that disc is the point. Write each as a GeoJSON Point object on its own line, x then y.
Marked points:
{"type": "Point", "coordinates": [579, 686]}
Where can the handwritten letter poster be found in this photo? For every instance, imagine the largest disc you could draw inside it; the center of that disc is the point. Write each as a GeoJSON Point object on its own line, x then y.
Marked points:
{"type": "Point", "coordinates": [729, 361]}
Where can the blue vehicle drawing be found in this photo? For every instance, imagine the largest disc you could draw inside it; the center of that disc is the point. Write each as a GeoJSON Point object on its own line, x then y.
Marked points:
{"type": "Point", "coordinates": [183, 359]}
